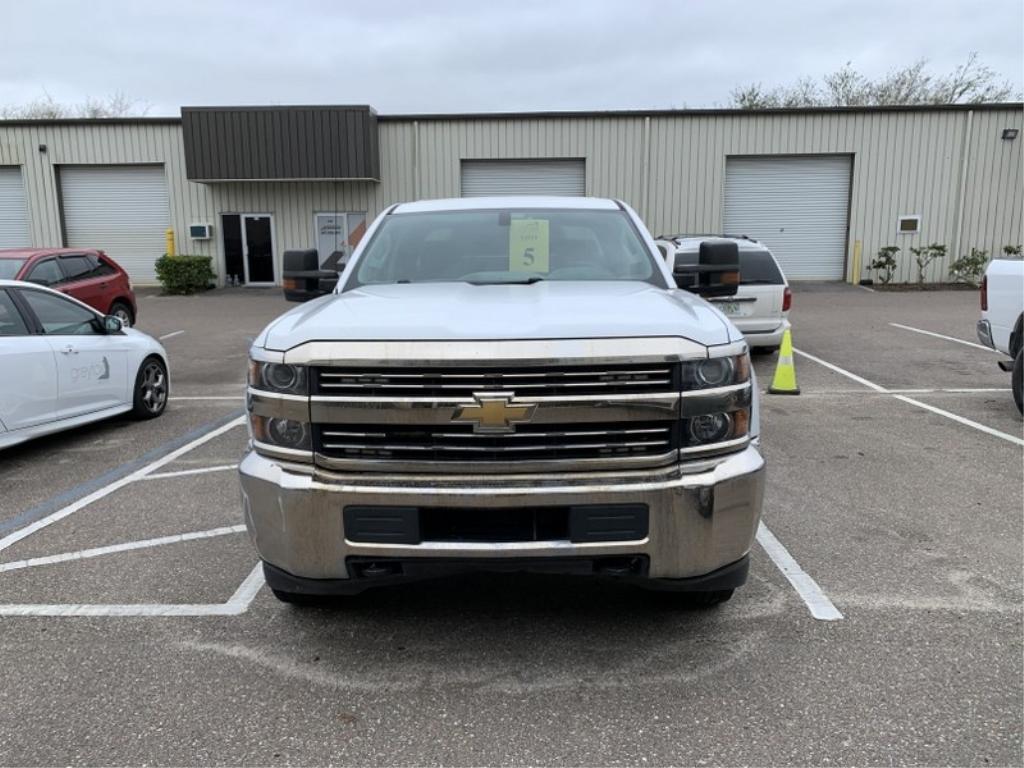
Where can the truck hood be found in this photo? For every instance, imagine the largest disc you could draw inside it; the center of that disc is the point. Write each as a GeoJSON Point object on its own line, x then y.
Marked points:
{"type": "Point", "coordinates": [461, 311]}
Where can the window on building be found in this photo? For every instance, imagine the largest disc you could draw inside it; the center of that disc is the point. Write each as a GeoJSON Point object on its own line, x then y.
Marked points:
{"type": "Point", "coordinates": [908, 225]}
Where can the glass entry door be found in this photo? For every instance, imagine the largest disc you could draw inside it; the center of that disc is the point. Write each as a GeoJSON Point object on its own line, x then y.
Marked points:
{"type": "Point", "coordinates": [248, 248]}
{"type": "Point", "coordinates": [257, 239]}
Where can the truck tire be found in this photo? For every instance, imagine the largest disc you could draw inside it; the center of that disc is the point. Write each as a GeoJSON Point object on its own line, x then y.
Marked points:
{"type": "Point", "coordinates": [1017, 380]}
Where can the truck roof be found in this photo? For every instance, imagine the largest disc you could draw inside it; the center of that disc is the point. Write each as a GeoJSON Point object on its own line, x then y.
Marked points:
{"type": "Point", "coordinates": [508, 201]}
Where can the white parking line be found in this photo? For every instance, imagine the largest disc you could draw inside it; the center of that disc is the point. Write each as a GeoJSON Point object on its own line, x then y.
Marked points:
{"type": "Point", "coordinates": [238, 604]}
{"type": "Point", "coordinates": [84, 554]}
{"type": "Point", "coordinates": [878, 388]}
{"type": "Point", "coordinates": [170, 335]}
{"type": "Point", "coordinates": [941, 336]}
{"type": "Point", "coordinates": [196, 471]}
{"type": "Point", "coordinates": [60, 514]}
{"type": "Point", "coordinates": [817, 602]}
{"type": "Point", "coordinates": [917, 391]}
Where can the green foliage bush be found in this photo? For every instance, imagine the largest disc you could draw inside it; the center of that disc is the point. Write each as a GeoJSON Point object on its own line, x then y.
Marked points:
{"type": "Point", "coordinates": [885, 263]}
{"type": "Point", "coordinates": [184, 274]}
{"type": "Point", "coordinates": [969, 268]}
{"type": "Point", "coordinates": [924, 256]}
{"type": "Point", "coordinates": [1012, 251]}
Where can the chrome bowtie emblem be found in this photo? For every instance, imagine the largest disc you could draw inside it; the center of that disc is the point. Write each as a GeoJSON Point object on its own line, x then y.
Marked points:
{"type": "Point", "coordinates": [494, 413]}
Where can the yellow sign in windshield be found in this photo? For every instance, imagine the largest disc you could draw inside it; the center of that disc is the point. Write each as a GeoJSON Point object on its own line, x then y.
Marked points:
{"type": "Point", "coordinates": [528, 245]}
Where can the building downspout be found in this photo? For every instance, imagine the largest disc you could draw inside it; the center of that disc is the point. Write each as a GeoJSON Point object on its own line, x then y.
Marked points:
{"type": "Point", "coordinates": [416, 195]}
{"type": "Point", "coordinates": [645, 215]}
{"type": "Point", "coordinates": [961, 192]}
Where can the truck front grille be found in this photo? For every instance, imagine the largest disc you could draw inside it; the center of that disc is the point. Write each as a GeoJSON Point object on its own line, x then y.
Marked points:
{"type": "Point", "coordinates": [525, 381]}
{"type": "Point", "coordinates": [530, 442]}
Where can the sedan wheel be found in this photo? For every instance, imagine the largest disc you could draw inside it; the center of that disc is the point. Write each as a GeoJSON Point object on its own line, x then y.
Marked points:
{"type": "Point", "coordinates": [123, 313]}
{"type": "Point", "coordinates": [151, 389]}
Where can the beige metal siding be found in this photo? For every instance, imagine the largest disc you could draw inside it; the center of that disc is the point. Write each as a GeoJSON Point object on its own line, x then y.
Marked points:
{"type": "Point", "coordinates": [670, 167]}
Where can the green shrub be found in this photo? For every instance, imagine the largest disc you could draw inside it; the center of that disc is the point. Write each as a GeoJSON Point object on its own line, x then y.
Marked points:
{"type": "Point", "coordinates": [924, 256]}
{"type": "Point", "coordinates": [969, 268]}
{"type": "Point", "coordinates": [885, 263]}
{"type": "Point", "coordinates": [1012, 251]}
{"type": "Point", "coordinates": [184, 274]}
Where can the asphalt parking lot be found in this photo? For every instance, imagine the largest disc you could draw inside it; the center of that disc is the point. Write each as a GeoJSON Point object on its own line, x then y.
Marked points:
{"type": "Point", "coordinates": [134, 628]}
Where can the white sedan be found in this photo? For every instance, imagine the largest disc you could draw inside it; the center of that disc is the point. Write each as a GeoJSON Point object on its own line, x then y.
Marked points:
{"type": "Point", "coordinates": [64, 364]}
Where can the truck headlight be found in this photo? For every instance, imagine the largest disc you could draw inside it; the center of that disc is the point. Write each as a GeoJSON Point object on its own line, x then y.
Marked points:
{"type": "Point", "coordinates": [281, 433]}
{"type": "Point", "coordinates": [278, 377]}
{"type": "Point", "coordinates": [715, 372]}
{"type": "Point", "coordinates": [721, 427]}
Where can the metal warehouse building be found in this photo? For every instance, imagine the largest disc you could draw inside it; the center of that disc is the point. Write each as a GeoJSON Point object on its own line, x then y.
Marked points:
{"type": "Point", "coordinates": [825, 188]}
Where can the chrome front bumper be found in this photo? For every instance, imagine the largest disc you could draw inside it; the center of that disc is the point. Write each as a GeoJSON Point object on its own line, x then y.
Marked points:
{"type": "Point", "coordinates": [702, 515]}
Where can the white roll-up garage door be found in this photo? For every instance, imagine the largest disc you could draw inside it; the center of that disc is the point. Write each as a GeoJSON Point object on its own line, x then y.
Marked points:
{"type": "Point", "coordinates": [797, 206]}
{"type": "Point", "coordinates": [523, 177]}
{"type": "Point", "coordinates": [13, 210]}
{"type": "Point", "coordinates": [122, 210]}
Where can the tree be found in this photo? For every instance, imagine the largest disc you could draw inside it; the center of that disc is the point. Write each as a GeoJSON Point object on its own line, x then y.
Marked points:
{"type": "Point", "coordinates": [970, 83]}
{"type": "Point", "coordinates": [47, 108]}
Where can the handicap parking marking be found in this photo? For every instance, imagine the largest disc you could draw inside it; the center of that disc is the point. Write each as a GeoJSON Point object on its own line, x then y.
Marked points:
{"type": "Point", "coordinates": [942, 336]}
{"type": "Point", "coordinates": [236, 605]}
{"type": "Point", "coordinates": [911, 401]}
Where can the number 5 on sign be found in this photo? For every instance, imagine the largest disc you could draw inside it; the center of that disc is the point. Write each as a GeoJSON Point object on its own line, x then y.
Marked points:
{"type": "Point", "coordinates": [528, 245]}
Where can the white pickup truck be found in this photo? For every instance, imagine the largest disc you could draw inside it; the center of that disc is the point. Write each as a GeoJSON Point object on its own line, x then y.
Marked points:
{"type": "Point", "coordinates": [1002, 314]}
{"type": "Point", "coordinates": [504, 384]}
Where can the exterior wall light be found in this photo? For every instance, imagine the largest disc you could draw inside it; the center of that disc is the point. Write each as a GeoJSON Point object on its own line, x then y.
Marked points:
{"type": "Point", "coordinates": [1010, 133]}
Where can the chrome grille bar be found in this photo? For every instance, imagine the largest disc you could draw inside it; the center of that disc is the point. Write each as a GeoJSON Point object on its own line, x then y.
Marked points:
{"type": "Point", "coordinates": [604, 379]}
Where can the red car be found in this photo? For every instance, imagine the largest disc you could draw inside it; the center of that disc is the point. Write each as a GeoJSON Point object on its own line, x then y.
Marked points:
{"type": "Point", "coordinates": [87, 274]}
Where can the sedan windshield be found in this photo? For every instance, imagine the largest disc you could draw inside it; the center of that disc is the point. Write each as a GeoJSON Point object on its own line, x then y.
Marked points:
{"type": "Point", "coordinates": [505, 247]}
{"type": "Point", "coordinates": [9, 268]}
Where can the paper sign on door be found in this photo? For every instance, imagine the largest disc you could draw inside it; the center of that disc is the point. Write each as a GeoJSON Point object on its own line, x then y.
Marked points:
{"type": "Point", "coordinates": [528, 245]}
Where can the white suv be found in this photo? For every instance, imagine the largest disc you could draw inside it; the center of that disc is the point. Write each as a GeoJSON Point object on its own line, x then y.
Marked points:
{"type": "Point", "coordinates": [760, 308]}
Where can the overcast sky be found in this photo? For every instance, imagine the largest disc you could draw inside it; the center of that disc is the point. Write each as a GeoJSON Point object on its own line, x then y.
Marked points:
{"type": "Point", "coordinates": [401, 56]}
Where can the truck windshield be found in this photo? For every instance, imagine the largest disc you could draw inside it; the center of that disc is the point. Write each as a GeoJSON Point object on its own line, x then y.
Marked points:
{"type": "Point", "coordinates": [517, 246]}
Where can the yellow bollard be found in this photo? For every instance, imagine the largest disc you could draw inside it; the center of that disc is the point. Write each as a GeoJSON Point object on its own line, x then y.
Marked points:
{"type": "Point", "coordinates": [169, 234]}
{"type": "Point", "coordinates": [784, 382]}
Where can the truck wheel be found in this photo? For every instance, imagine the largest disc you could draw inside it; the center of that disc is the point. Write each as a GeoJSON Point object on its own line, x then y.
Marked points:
{"type": "Point", "coordinates": [1017, 380]}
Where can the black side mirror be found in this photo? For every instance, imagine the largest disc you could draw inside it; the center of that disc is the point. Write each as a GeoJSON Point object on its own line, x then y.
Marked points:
{"type": "Point", "coordinates": [716, 273]}
{"type": "Point", "coordinates": [302, 277]}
